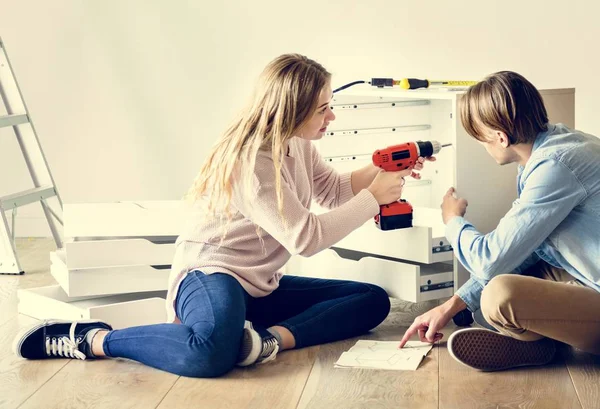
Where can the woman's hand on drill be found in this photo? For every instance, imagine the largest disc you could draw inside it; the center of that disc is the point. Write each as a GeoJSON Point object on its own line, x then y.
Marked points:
{"type": "Point", "coordinates": [387, 186]}
{"type": "Point", "coordinates": [419, 166]}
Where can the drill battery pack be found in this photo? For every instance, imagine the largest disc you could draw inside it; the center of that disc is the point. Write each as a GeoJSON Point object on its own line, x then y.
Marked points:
{"type": "Point", "coordinates": [397, 215]}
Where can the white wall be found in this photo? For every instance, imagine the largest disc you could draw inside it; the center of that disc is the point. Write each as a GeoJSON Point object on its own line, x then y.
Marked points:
{"type": "Point", "coordinates": [128, 95]}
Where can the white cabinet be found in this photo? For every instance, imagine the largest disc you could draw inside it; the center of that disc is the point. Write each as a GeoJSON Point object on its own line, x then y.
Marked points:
{"type": "Point", "coordinates": [369, 119]}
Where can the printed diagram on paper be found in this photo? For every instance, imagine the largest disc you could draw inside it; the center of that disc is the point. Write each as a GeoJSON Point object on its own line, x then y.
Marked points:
{"type": "Point", "coordinates": [384, 355]}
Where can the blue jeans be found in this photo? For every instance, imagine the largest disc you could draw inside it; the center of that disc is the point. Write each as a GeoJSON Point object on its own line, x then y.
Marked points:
{"type": "Point", "coordinates": [212, 309]}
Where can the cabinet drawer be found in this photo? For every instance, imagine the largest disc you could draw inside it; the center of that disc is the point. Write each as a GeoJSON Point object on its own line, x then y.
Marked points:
{"type": "Point", "coordinates": [107, 280]}
{"type": "Point", "coordinates": [423, 243]}
{"type": "Point", "coordinates": [125, 219]}
{"type": "Point", "coordinates": [410, 282]}
{"type": "Point", "coordinates": [112, 253]}
{"type": "Point", "coordinates": [120, 311]}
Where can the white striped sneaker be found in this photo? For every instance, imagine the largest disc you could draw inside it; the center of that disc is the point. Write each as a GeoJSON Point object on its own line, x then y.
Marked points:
{"type": "Point", "coordinates": [259, 346]}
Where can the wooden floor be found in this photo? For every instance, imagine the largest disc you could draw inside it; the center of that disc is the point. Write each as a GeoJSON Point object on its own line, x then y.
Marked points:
{"type": "Point", "coordinates": [297, 379]}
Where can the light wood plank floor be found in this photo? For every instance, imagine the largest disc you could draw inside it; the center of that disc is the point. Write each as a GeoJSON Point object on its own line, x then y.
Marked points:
{"type": "Point", "coordinates": [297, 379]}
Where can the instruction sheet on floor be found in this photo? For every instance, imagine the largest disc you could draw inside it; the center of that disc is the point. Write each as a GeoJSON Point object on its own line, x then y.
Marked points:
{"type": "Point", "coordinates": [384, 355]}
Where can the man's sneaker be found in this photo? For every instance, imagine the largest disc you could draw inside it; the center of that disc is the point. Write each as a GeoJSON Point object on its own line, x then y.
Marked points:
{"type": "Point", "coordinates": [58, 339]}
{"type": "Point", "coordinates": [258, 346]}
{"type": "Point", "coordinates": [490, 351]}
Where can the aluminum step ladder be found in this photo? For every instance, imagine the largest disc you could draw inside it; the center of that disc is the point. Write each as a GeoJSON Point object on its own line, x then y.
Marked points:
{"type": "Point", "coordinates": [44, 188]}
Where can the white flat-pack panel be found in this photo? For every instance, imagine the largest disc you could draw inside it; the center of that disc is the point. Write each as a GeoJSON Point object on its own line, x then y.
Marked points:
{"type": "Point", "coordinates": [125, 219]}
{"type": "Point", "coordinates": [120, 311]}
{"type": "Point", "coordinates": [400, 280]}
{"type": "Point", "coordinates": [114, 253]}
{"type": "Point", "coordinates": [107, 280]}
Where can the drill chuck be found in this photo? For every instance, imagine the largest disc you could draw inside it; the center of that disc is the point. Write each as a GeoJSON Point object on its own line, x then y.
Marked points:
{"type": "Point", "coordinates": [428, 148]}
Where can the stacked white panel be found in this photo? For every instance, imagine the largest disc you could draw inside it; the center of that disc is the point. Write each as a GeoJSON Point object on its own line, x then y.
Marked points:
{"type": "Point", "coordinates": [114, 266]}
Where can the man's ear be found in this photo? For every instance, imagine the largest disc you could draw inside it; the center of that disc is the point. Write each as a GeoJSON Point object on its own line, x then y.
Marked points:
{"type": "Point", "coordinates": [503, 139]}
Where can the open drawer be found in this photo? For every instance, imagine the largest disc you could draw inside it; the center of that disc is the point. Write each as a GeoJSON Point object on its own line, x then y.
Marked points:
{"type": "Point", "coordinates": [107, 280]}
{"type": "Point", "coordinates": [113, 253]}
{"type": "Point", "coordinates": [409, 282]}
{"type": "Point", "coordinates": [425, 242]}
{"type": "Point", "coordinates": [120, 311]}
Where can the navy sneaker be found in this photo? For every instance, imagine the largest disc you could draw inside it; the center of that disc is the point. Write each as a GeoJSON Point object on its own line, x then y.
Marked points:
{"type": "Point", "coordinates": [487, 350]}
{"type": "Point", "coordinates": [258, 346]}
{"type": "Point", "coordinates": [58, 339]}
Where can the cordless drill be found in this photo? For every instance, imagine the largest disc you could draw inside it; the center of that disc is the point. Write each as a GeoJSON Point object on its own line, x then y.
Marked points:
{"type": "Point", "coordinates": [399, 214]}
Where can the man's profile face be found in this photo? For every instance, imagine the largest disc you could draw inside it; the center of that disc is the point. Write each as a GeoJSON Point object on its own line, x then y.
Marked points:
{"type": "Point", "coordinates": [497, 146]}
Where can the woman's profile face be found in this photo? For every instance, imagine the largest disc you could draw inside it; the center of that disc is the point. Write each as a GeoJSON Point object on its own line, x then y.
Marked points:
{"type": "Point", "coordinates": [317, 125]}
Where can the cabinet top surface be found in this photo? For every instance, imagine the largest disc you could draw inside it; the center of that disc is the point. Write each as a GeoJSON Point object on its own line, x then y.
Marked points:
{"type": "Point", "coordinates": [449, 93]}
{"type": "Point", "coordinates": [429, 93]}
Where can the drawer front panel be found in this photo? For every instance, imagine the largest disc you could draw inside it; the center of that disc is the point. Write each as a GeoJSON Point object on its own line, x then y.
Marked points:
{"type": "Point", "coordinates": [400, 280]}
{"type": "Point", "coordinates": [422, 243]}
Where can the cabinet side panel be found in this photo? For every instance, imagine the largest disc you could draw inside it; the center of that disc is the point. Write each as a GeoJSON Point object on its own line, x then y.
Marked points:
{"type": "Point", "coordinates": [560, 105]}
{"type": "Point", "coordinates": [489, 188]}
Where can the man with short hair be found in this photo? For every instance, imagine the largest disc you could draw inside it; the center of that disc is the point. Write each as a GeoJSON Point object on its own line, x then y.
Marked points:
{"type": "Point", "coordinates": [536, 277]}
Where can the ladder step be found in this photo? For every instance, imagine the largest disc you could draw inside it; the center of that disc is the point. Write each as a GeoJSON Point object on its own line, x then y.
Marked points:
{"type": "Point", "coordinates": [12, 120]}
{"type": "Point", "coordinates": [26, 197]}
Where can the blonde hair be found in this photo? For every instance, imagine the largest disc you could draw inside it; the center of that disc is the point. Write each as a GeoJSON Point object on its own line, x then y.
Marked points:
{"type": "Point", "coordinates": [507, 102]}
{"type": "Point", "coordinates": [285, 98]}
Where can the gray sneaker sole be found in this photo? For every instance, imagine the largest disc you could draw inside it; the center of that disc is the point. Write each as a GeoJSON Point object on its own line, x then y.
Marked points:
{"type": "Point", "coordinates": [25, 332]}
{"type": "Point", "coordinates": [490, 351]}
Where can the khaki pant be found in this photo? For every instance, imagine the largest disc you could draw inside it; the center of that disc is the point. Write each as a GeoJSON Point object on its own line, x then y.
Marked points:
{"type": "Point", "coordinates": [544, 302]}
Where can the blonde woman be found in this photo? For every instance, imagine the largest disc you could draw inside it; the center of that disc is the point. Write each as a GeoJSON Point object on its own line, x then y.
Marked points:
{"type": "Point", "coordinates": [257, 184]}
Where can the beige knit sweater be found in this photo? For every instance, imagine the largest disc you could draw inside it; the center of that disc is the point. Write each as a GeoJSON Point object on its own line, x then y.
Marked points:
{"type": "Point", "coordinates": [255, 264]}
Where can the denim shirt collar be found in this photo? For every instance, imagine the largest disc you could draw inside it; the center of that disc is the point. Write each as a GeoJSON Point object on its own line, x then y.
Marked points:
{"type": "Point", "coordinates": [539, 140]}
{"type": "Point", "coordinates": [541, 137]}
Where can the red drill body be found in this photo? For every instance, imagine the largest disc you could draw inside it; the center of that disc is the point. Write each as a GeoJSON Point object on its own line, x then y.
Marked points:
{"type": "Point", "coordinates": [397, 157]}
{"type": "Point", "coordinates": [399, 215]}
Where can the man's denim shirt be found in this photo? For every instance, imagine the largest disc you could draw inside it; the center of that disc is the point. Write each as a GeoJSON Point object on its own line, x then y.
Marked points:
{"type": "Point", "coordinates": [556, 217]}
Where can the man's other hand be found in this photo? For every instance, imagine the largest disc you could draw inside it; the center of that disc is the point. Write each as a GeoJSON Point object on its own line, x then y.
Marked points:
{"type": "Point", "coordinates": [453, 206]}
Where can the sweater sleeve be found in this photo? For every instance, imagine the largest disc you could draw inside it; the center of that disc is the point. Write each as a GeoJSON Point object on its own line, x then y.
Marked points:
{"type": "Point", "coordinates": [330, 189]}
{"type": "Point", "coordinates": [300, 231]}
